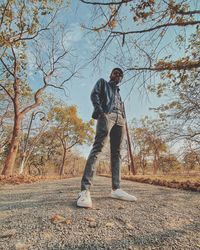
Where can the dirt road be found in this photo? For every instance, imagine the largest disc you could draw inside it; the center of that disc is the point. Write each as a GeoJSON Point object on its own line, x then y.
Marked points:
{"type": "Point", "coordinates": [44, 216]}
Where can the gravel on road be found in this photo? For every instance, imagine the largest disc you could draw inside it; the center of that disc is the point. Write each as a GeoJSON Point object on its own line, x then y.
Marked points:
{"type": "Point", "coordinates": [44, 216]}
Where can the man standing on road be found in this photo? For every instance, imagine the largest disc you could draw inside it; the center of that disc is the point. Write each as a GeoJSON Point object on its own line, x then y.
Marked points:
{"type": "Point", "coordinates": [109, 112]}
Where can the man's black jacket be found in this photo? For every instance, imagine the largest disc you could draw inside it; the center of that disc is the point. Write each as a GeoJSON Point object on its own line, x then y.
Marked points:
{"type": "Point", "coordinates": [102, 97]}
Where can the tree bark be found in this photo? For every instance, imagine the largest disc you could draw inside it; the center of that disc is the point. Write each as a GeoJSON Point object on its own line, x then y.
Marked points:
{"type": "Point", "coordinates": [156, 163]}
{"type": "Point", "coordinates": [63, 162]}
{"type": "Point", "coordinates": [21, 169]}
{"type": "Point", "coordinates": [14, 144]}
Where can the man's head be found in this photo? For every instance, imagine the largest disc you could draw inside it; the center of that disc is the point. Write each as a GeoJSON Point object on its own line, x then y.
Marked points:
{"type": "Point", "coordinates": [116, 75]}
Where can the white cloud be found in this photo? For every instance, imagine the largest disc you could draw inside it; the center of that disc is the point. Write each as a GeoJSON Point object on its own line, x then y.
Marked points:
{"type": "Point", "coordinates": [73, 35]}
{"type": "Point", "coordinates": [31, 62]}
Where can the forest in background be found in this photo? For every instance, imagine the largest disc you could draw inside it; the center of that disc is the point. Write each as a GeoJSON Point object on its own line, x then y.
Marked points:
{"type": "Point", "coordinates": [39, 133]}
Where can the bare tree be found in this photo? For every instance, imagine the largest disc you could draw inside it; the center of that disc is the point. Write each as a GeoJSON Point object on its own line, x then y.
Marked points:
{"type": "Point", "coordinates": [182, 112]}
{"type": "Point", "coordinates": [22, 25]}
{"type": "Point", "coordinates": [140, 32]}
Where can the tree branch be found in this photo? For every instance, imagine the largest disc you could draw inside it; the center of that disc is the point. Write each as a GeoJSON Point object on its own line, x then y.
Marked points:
{"type": "Point", "coordinates": [169, 66]}
{"type": "Point", "coordinates": [108, 3]}
{"type": "Point", "coordinates": [77, 140]}
{"type": "Point", "coordinates": [19, 37]}
{"type": "Point", "coordinates": [193, 12]}
{"type": "Point", "coordinates": [5, 8]}
{"type": "Point", "coordinates": [9, 71]}
{"type": "Point", "coordinates": [182, 24]}
{"type": "Point", "coordinates": [7, 92]}
{"type": "Point", "coordinates": [38, 101]}
{"type": "Point", "coordinates": [108, 23]}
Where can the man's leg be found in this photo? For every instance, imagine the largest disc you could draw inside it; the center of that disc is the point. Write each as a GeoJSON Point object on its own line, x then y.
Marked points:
{"type": "Point", "coordinates": [116, 138]}
{"type": "Point", "coordinates": [102, 132]}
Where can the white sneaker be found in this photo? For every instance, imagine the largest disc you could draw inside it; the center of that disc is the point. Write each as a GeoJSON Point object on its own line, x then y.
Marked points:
{"type": "Point", "coordinates": [122, 195]}
{"type": "Point", "coordinates": [84, 199]}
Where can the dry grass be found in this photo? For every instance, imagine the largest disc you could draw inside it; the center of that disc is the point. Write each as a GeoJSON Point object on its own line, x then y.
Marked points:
{"type": "Point", "coordinates": [173, 177]}
{"type": "Point", "coordinates": [180, 181]}
{"type": "Point", "coordinates": [19, 179]}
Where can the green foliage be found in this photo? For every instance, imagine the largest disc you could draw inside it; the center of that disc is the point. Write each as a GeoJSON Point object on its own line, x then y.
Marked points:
{"type": "Point", "coordinates": [184, 95]}
{"type": "Point", "coordinates": [21, 21]}
{"type": "Point", "coordinates": [145, 29]}
{"type": "Point", "coordinates": [149, 143]}
{"type": "Point", "coordinates": [192, 160]}
{"type": "Point", "coordinates": [169, 163]}
{"type": "Point", "coordinates": [69, 127]}
{"type": "Point", "coordinates": [49, 147]}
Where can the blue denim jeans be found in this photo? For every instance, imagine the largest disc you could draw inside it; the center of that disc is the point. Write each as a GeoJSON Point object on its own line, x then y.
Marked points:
{"type": "Point", "coordinates": [112, 125]}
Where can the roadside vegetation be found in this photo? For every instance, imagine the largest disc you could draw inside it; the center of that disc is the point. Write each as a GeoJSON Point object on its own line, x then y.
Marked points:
{"type": "Point", "coordinates": [39, 134]}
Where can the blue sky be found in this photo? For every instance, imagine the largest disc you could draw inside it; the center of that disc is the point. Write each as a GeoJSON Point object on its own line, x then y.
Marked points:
{"type": "Point", "coordinates": [137, 104]}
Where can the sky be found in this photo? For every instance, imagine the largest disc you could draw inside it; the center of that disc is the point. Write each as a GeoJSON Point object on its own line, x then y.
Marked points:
{"type": "Point", "coordinates": [137, 104]}
{"type": "Point", "coordinates": [79, 89]}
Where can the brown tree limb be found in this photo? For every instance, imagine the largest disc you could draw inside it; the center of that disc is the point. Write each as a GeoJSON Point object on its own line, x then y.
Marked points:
{"type": "Point", "coordinates": [108, 3]}
{"type": "Point", "coordinates": [109, 20]}
{"type": "Point", "coordinates": [169, 66]}
{"type": "Point", "coordinates": [37, 102]}
{"type": "Point", "coordinates": [192, 12]}
{"type": "Point", "coordinates": [182, 24]}
{"type": "Point", "coordinates": [73, 144]}
{"type": "Point", "coordinates": [7, 92]}
{"type": "Point", "coordinates": [3, 14]}
{"type": "Point", "coordinates": [19, 37]}
{"type": "Point", "coordinates": [6, 67]}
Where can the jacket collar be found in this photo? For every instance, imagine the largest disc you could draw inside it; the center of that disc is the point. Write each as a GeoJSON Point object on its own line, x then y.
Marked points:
{"type": "Point", "coordinates": [114, 86]}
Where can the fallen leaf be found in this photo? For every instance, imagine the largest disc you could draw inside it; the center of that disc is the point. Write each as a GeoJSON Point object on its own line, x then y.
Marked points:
{"type": "Point", "coordinates": [22, 246]}
{"type": "Point", "coordinates": [8, 233]}
{"type": "Point", "coordinates": [110, 224]}
{"type": "Point", "coordinates": [47, 235]}
{"type": "Point", "coordinates": [129, 226]}
{"type": "Point", "coordinates": [67, 222]}
{"type": "Point", "coordinates": [93, 224]}
{"type": "Point", "coordinates": [57, 218]}
{"type": "Point", "coordinates": [89, 218]}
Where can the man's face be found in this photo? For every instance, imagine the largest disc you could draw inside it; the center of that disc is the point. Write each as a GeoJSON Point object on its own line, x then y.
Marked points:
{"type": "Point", "coordinates": [116, 76]}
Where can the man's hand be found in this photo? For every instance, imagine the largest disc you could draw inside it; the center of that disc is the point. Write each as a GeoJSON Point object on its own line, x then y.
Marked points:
{"type": "Point", "coordinates": [102, 114]}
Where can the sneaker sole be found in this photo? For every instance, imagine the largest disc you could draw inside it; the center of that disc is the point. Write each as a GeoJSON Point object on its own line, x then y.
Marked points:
{"type": "Point", "coordinates": [84, 205]}
{"type": "Point", "coordinates": [122, 198]}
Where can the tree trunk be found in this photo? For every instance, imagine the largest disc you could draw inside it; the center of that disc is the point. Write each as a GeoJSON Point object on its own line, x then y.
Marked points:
{"type": "Point", "coordinates": [143, 166]}
{"type": "Point", "coordinates": [63, 162]}
{"type": "Point", "coordinates": [27, 153]}
{"type": "Point", "coordinates": [12, 153]}
{"type": "Point", "coordinates": [154, 166]}
{"type": "Point", "coordinates": [74, 167]}
{"type": "Point", "coordinates": [21, 168]}
{"type": "Point", "coordinates": [156, 163]}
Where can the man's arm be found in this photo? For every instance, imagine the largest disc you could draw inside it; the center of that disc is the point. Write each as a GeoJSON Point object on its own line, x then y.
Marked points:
{"type": "Point", "coordinates": [96, 96]}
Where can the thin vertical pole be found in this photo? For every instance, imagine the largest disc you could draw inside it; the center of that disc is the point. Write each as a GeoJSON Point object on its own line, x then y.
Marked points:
{"type": "Point", "coordinates": [133, 170]}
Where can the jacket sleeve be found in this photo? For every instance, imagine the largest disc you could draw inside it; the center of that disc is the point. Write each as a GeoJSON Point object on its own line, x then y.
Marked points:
{"type": "Point", "coordinates": [96, 96]}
